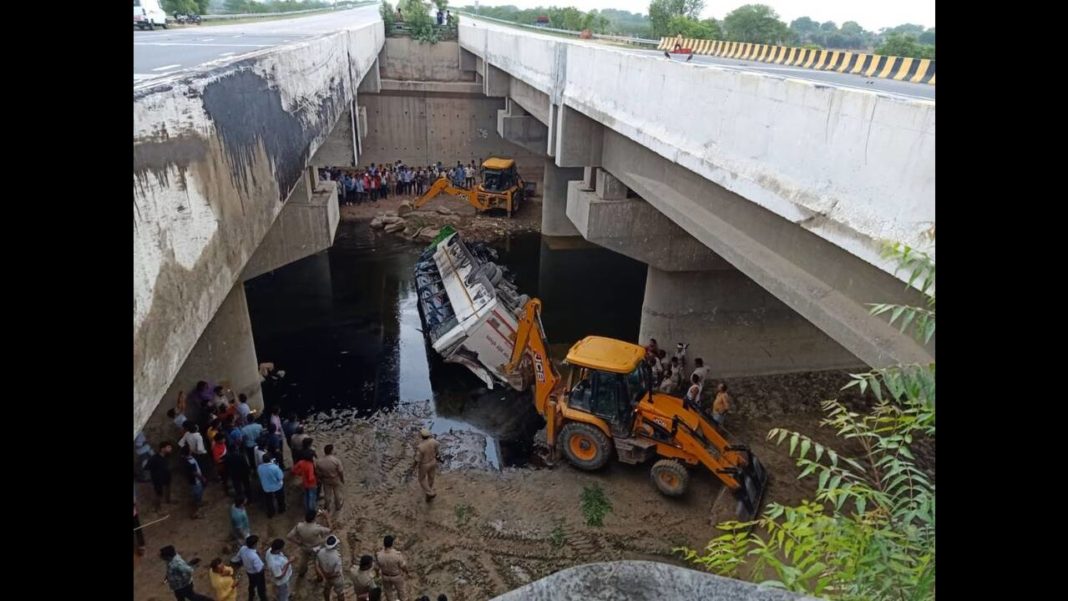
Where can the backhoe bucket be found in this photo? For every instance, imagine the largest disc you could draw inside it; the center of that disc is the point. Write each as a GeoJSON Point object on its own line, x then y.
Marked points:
{"type": "Point", "coordinates": [750, 495]}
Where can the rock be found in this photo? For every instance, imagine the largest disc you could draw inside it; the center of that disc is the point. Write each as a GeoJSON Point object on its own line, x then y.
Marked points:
{"type": "Point", "coordinates": [428, 233]}
{"type": "Point", "coordinates": [405, 208]}
{"type": "Point", "coordinates": [396, 226]}
{"type": "Point", "coordinates": [377, 223]}
{"type": "Point", "coordinates": [446, 211]}
{"type": "Point", "coordinates": [388, 219]}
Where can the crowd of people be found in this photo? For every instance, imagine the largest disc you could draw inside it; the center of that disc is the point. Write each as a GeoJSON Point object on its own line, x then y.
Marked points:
{"type": "Point", "coordinates": [378, 182]}
{"type": "Point", "coordinates": [221, 441]}
{"type": "Point", "coordinates": [697, 390]}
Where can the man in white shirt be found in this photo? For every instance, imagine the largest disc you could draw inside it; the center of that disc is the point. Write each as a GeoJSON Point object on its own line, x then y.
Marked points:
{"type": "Point", "coordinates": [195, 441]}
{"type": "Point", "coordinates": [281, 569]}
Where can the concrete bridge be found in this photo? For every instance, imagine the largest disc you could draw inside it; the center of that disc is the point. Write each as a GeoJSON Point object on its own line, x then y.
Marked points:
{"type": "Point", "coordinates": [757, 201]}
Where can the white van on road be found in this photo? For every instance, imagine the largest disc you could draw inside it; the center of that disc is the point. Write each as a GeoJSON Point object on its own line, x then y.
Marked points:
{"type": "Point", "coordinates": [149, 15]}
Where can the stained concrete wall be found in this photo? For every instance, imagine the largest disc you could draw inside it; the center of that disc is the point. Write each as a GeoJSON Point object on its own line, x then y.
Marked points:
{"type": "Point", "coordinates": [422, 121]}
{"type": "Point", "coordinates": [224, 353]}
{"type": "Point", "coordinates": [852, 166]}
{"type": "Point", "coordinates": [216, 153]}
{"type": "Point", "coordinates": [642, 581]}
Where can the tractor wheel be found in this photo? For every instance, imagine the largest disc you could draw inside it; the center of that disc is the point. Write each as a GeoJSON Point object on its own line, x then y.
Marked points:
{"type": "Point", "coordinates": [670, 477]}
{"type": "Point", "coordinates": [586, 446]}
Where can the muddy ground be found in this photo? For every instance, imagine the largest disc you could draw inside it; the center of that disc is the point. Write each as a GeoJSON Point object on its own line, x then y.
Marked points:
{"type": "Point", "coordinates": [490, 531]}
{"type": "Point", "coordinates": [453, 211]}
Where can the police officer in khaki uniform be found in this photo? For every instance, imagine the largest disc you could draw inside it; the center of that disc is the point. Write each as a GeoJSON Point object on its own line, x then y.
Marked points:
{"type": "Point", "coordinates": [393, 568]}
{"type": "Point", "coordinates": [328, 566]}
{"type": "Point", "coordinates": [426, 460]}
{"type": "Point", "coordinates": [308, 536]}
{"type": "Point", "coordinates": [363, 578]}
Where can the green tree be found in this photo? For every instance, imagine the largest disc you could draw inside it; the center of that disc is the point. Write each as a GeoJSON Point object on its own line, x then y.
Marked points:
{"type": "Point", "coordinates": [869, 533]}
{"type": "Point", "coordinates": [418, 21]}
{"type": "Point", "coordinates": [661, 12]}
{"type": "Point", "coordinates": [898, 44]}
{"type": "Point", "coordinates": [804, 28]}
{"type": "Point", "coordinates": [757, 23]}
{"type": "Point", "coordinates": [927, 37]}
{"type": "Point", "coordinates": [184, 7]}
{"type": "Point", "coordinates": [693, 8]}
{"type": "Point", "coordinates": [690, 28]}
{"type": "Point", "coordinates": [389, 16]}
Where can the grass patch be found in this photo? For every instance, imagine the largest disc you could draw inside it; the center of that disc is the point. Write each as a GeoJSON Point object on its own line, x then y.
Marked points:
{"type": "Point", "coordinates": [557, 537]}
{"type": "Point", "coordinates": [463, 514]}
{"type": "Point", "coordinates": [595, 505]}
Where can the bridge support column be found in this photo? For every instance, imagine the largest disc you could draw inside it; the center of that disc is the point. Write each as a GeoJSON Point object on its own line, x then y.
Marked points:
{"type": "Point", "coordinates": [736, 326]}
{"type": "Point", "coordinates": [225, 352]}
{"type": "Point", "coordinates": [554, 221]}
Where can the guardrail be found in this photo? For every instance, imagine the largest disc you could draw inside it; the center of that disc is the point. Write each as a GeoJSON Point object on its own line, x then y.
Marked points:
{"type": "Point", "coordinates": [598, 36]}
{"type": "Point", "coordinates": [281, 14]}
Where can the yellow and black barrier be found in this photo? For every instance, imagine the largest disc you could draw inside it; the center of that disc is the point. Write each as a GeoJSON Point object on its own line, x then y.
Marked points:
{"type": "Point", "coordinates": [898, 68]}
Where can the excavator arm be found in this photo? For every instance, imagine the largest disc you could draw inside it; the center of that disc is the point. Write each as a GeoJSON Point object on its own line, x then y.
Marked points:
{"type": "Point", "coordinates": [443, 186]}
{"type": "Point", "coordinates": [530, 341]}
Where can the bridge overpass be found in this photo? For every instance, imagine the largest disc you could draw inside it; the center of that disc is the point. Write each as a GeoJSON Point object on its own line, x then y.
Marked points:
{"type": "Point", "coordinates": [757, 200]}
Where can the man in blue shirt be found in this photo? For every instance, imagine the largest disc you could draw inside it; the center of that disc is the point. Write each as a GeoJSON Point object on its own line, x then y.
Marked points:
{"type": "Point", "coordinates": [252, 433]}
{"type": "Point", "coordinates": [272, 479]}
{"type": "Point", "coordinates": [239, 519]}
{"type": "Point", "coordinates": [250, 559]}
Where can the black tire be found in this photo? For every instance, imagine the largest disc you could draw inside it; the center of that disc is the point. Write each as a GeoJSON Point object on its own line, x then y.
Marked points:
{"type": "Point", "coordinates": [670, 477]}
{"type": "Point", "coordinates": [585, 446]}
{"type": "Point", "coordinates": [151, 26]}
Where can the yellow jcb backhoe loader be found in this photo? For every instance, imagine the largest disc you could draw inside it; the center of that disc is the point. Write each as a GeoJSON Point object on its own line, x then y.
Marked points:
{"type": "Point", "coordinates": [609, 401]}
{"type": "Point", "coordinates": [501, 188]}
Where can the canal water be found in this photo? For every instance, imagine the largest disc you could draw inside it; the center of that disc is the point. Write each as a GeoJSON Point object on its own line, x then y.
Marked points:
{"type": "Point", "coordinates": [344, 327]}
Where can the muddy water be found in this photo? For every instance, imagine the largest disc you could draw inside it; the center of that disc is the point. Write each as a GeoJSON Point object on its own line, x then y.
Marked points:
{"type": "Point", "coordinates": [344, 327]}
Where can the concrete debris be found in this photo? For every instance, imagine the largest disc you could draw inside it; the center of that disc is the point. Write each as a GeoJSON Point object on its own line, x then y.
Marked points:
{"type": "Point", "coordinates": [446, 211]}
{"type": "Point", "coordinates": [395, 226]}
{"type": "Point", "coordinates": [405, 208]}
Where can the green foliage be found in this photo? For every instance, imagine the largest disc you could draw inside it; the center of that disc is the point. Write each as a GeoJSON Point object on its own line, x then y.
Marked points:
{"type": "Point", "coordinates": [900, 44]}
{"type": "Point", "coordinates": [183, 7]}
{"type": "Point", "coordinates": [421, 26]}
{"type": "Point", "coordinates": [389, 16]}
{"type": "Point", "coordinates": [558, 537]}
{"type": "Point", "coordinates": [869, 533]}
{"type": "Point", "coordinates": [756, 23]}
{"type": "Point", "coordinates": [463, 514]}
{"type": "Point", "coordinates": [595, 505]}
{"type": "Point", "coordinates": [708, 29]}
{"type": "Point", "coordinates": [272, 6]}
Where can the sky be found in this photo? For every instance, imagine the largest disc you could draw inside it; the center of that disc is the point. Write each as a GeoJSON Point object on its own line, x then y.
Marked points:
{"type": "Point", "coordinates": [871, 14]}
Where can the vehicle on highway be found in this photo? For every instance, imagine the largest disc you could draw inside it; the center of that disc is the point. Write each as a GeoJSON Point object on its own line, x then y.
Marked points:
{"type": "Point", "coordinates": [191, 19]}
{"type": "Point", "coordinates": [148, 15]}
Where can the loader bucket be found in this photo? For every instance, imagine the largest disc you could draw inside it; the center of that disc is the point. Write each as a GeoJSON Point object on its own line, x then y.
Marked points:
{"type": "Point", "coordinates": [750, 495]}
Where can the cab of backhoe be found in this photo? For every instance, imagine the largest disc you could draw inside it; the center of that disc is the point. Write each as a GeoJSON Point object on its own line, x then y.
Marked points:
{"type": "Point", "coordinates": [608, 379]}
{"type": "Point", "coordinates": [499, 175]}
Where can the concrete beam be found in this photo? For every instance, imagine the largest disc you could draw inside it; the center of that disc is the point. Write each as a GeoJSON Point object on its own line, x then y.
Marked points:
{"type": "Point", "coordinates": [533, 100]}
{"type": "Point", "coordinates": [468, 60]}
{"type": "Point", "coordinates": [633, 228]}
{"type": "Point", "coordinates": [372, 80]}
{"type": "Point", "coordinates": [829, 286]}
{"type": "Point", "coordinates": [495, 82]}
{"type": "Point", "coordinates": [737, 327]}
{"type": "Point", "coordinates": [608, 187]}
{"type": "Point", "coordinates": [522, 129]}
{"type": "Point", "coordinates": [554, 220]}
{"type": "Point", "coordinates": [339, 149]}
{"type": "Point", "coordinates": [578, 139]}
{"type": "Point", "coordinates": [306, 226]}
{"type": "Point", "coordinates": [432, 87]}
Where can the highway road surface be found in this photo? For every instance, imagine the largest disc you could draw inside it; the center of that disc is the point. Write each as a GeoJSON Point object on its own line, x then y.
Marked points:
{"type": "Point", "coordinates": [839, 80]}
{"type": "Point", "coordinates": [168, 51]}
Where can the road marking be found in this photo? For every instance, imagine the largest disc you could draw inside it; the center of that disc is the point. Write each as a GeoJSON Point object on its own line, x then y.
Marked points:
{"type": "Point", "coordinates": [227, 54]}
{"type": "Point", "coordinates": [192, 44]}
{"type": "Point", "coordinates": [208, 40]}
{"type": "Point", "coordinates": [165, 67]}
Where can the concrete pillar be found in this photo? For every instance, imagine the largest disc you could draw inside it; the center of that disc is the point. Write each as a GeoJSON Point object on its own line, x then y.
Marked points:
{"type": "Point", "coordinates": [589, 178]}
{"type": "Point", "coordinates": [554, 221]}
{"type": "Point", "coordinates": [372, 80]}
{"type": "Point", "coordinates": [737, 327]}
{"type": "Point", "coordinates": [225, 352]}
{"type": "Point", "coordinates": [608, 187]}
{"type": "Point", "coordinates": [495, 82]}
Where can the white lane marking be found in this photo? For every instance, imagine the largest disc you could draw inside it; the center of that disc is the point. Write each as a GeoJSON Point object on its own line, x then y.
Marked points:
{"type": "Point", "coordinates": [189, 44]}
{"type": "Point", "coordinates": [208, 40]}
{"type": "Point", "coordinates": [227, 54]}
{"type": "Point", "coordinates": [166, 67]}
